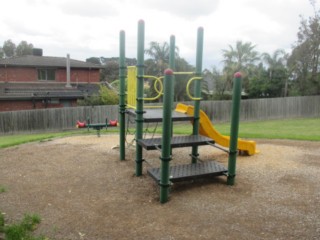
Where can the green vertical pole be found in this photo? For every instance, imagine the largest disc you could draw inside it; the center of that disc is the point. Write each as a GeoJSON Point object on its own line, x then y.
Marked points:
{"type": "Point", "coordinates": [197, 91]}
{"type": "Point", "coordinates": [166, 136]}
{"type": "Point", "coordinates": [172, 66]}
{"type": "Point", "coordinates": [122, 93]}
{"type": "Point", "coordinates": [235, 112]}
{"type": "Point", "coordinates": [139, 106]}
{"type": "Point", "coordinates": [172, 53]}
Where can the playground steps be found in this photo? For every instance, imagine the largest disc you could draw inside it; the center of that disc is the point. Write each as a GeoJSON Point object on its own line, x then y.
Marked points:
{"type": "Point", "coordinates": [190, 171]}
{"type": "Point", "coordinates": [176, 142]}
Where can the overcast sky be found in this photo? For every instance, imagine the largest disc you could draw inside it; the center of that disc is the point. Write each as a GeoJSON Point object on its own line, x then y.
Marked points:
{"type": "Point", "coordinates": [86, 29]}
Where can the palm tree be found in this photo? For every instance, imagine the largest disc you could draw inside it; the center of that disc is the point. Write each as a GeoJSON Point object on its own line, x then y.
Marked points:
{"type": "Point", "coordinates": [277, 67]}
{"type": "Point", "coordinates": [159, 60]}
{"type": "Point", "coordinates": [160, 54]}
{"type": "Point", "coordinates": [274, 61]}
{"type": "Point", "coordinates": [241, 58]}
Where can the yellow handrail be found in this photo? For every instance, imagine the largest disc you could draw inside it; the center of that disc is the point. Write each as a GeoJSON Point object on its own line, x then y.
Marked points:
{"type": "Point", "coordinates": [132, 88]}
{"type": "Point", "coordinates": [160, 92]}
{"type": "Point", "coordinates": [183, 73]}
{"type": "Point", "coordinates": [188, 86]}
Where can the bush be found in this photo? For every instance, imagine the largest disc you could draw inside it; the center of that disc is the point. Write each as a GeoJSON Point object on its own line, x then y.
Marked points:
{"type": "Point", "coordinates": [21, 230]}
{"type": "Point", "coordinates": [106, 97]}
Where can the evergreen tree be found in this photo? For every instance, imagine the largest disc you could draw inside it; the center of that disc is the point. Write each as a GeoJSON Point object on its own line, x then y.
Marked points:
{"type": "Point", "coordinates": [304, 61]}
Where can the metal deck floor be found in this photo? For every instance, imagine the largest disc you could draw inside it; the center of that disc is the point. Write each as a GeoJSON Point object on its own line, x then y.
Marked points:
{"type": "Point", "coordinates": [155, 115]}
{"type": "Point", "coordinates": [191, 171]}
{"type": "Point", "coordinates": [176, 142]}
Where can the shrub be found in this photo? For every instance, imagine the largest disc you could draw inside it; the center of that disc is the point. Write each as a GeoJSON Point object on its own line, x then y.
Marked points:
{"type": "Point", "coordinates": [106, 96]}
{"type": "Point", "coordinates": [21, 230]}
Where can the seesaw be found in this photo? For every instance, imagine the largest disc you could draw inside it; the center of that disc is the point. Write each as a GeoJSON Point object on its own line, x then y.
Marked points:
{"type": "Point", "coordinates": [97, 126]}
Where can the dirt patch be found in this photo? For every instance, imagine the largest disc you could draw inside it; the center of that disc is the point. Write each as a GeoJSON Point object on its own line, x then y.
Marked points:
{"type": "Point", "coordinates": [82, 190]}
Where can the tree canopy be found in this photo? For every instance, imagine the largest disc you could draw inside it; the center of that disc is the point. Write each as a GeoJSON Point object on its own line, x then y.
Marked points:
{"type": "Point", "coordinates": [304, 62]}
{"type": "Point", "coordinates": [10, 49]}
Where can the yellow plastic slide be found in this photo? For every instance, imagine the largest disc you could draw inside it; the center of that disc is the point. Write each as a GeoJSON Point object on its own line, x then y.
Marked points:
{"type": "Point", "coordinates": [207, 129]}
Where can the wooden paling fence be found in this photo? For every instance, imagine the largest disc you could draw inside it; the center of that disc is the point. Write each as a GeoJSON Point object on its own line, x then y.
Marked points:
{"type": "Point", "coordinates": [265, 109]}
{"type": "Point", "coordinates": [218, 111]}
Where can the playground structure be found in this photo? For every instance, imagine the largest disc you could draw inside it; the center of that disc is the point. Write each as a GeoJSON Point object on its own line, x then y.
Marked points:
{"type": "Point", "coordinates": [201, 132]}
{"type": "Point", "coordinates": [97, 126]}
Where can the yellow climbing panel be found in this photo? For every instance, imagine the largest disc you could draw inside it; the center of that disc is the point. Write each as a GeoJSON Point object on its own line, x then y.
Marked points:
{"type": "Point", "coordinates": [132, 87]}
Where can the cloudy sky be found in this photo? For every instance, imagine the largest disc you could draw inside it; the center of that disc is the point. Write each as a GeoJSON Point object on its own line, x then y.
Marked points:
{"type": "Point", "coordinates": [91, 28]}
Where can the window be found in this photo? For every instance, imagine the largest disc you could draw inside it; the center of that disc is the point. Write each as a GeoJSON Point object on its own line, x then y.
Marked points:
{"type": "Point", "coordinates": [46, 74]}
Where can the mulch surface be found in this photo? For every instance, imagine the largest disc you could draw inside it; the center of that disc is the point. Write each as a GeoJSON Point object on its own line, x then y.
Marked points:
{"type": "Point", "coordinates": [82, 190]}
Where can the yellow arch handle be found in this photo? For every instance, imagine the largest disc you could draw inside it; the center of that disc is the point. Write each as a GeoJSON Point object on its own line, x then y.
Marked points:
{"type": "Point", "coordinates": [161, 85]}
{"type": "Point", "coordinates": [157, 79]}
{"type": "Point", "coordinates": [188, 86]}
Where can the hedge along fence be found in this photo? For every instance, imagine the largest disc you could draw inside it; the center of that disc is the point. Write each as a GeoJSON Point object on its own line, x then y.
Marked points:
{"type": "Point", "coordinates": [218, 111]}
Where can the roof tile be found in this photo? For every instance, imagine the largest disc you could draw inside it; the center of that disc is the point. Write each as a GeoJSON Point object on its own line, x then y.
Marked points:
{"type": "Point", "coordinates": [45, 61]}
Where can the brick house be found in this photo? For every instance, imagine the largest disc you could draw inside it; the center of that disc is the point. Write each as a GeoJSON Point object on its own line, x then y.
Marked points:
{"type": "Point", "coordinates": [30, 82]}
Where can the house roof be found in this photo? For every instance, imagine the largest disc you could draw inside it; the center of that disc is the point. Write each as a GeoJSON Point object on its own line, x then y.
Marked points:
{"type": "Point", "coordinates": [45, 61]}
{"type": "Point", "coordinates": [27, 91]}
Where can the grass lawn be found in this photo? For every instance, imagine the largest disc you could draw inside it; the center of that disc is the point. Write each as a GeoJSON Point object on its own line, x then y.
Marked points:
{"type": "Point", "coordinates": [12, 140]}
{"type": "Point", "coordinates": [295, 129]}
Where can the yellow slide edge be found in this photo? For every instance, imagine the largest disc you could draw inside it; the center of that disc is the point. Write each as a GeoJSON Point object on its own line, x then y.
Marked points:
{"type": "Point", "coordinates": [208, 129]}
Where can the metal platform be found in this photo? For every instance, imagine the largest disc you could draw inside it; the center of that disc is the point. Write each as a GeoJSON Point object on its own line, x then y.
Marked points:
{"type": "Point", "coordinates": [191, 171]}
{"type": "Point", "coordinates": [176, 142]}
{"type": "Point", "coordinates": [155, 115]}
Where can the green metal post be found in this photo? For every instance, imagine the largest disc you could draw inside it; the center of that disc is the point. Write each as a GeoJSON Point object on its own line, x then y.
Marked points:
{"type": "Point", "coordinates": [166, 136]}
{"type": "Point", "coordinates": [172, 52]}
{"type": "Point", "coordinates": [139, 106]}
{"type": "Point", "coordinates": [172, 66]}
{"type": "Point", "coordinates": [235, 112]}
{"type": "Point", "coordinates": [197, 91]}
{"type": "Point", "coordinates": [122, 93]}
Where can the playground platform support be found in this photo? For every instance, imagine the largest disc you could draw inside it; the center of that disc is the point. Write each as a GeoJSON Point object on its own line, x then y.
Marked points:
{"type": "Point", "coordinates": [235, 113]}
{"type": "Point", "coordinates": [166, 136]}
{"type": "Point", "coordinates": [197, 91]}
{"type": "Point", "coordinates": [122, 104]}
{"type": "Point", "coordinates": [139, 106]}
